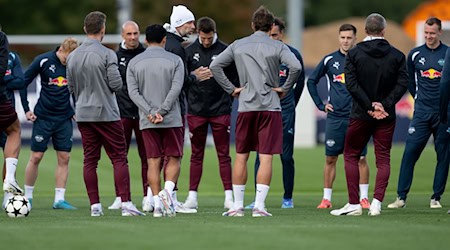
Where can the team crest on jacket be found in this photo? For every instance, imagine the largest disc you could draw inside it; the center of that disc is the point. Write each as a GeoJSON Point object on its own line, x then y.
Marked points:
{"type": "Point", "coordinates": [58, 81]}
{"type": "Point", "coordinates": [330, 142]}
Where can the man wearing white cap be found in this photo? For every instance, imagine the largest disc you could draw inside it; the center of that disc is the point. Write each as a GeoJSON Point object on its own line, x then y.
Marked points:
{"type": "Point", "coordinates": [181, 25]}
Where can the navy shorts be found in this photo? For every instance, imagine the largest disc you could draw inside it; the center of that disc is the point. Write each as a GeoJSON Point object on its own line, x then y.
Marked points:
{"type": "Point", "coordinates": [60, 131]}
{"type": "Point", "coordinates": [335, 130]}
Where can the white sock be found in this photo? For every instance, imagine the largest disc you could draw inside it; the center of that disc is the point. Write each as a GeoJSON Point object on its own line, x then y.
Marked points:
{"type": "Point", "coordinates": [261, 194]}
{"type": "Point", "coordinates": [192, 195]}
{"type": "Point", "coordinates": [11, 165]}
{"type": "Point", "coordinates": [239, 191]}
{"type": "Point", "coordinates": [150, 196]}
{"type": "Point", "coordinates": [149, 192]}
{"type": "Point", "coordinates": [59, 194]}
{"type": "Point", "coordinates": [327, 192]}
{"type": "Point", "coordinates": [364, 190]}
{"type": "Point", "coordinates": [228, 195]}
{"type": "Point", "coordinates": [157, 201]}
{"type": "Point", "coordinates": [29, 191]}
{"type": "Point", "coordinates": [127, 204]}
{"type": "Point", "coordinates": [169, 186]}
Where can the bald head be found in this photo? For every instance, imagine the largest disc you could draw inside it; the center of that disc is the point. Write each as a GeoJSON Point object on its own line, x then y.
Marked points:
{"type": "Point", "coordinates": [130, 34]}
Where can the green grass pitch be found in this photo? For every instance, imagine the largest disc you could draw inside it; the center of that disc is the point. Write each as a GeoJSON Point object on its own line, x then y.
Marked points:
{"type": "Point", "coordinates": [304, 227]}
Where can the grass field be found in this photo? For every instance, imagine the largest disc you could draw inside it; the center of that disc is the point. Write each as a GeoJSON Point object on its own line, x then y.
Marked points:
{"type": "Point", "coordinates": [304, 227]}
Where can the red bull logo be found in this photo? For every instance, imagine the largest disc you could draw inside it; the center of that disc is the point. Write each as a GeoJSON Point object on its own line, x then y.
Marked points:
{"type": "Point", "coordinates": [58, 81]}
{"type": "Point", "coordinates": [339, 78]}
{"type": "Point", "coordinates": [430, 74]}
{"type": "Point", "coordinates": [8, 72]}
{"type": "Point", "coordinates": [282, 73]}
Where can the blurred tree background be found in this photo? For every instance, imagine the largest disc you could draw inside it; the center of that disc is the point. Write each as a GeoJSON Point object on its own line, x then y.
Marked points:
{"type": "Point", "coordinates": [233, 16]}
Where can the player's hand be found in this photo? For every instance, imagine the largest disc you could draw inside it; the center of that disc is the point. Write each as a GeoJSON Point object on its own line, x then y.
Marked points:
{"type": "Point", "coordinates": [158, 118]}
{"type": "Point", "coordinates": [236, 92]}
{"type": "Point", "coordinates": [328, 108]}
{"type": "Point", "coordinates": [202, 73]}
{"type": "Point", "coordinates": [379, 112]}
{"type": "Point", "coordinates": [30, 116]}
{"type": "Point", "coordinates": [74, 118]}
{"type": "Point", "coordinates": [280, 92]}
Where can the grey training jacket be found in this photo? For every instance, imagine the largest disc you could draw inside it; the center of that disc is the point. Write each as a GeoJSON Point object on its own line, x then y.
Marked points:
{"type": "Point", "coordinates": [155, 79]}
{"type": "Point", "coordinates": [257, 58]}
{"type": "Point", "coordinates": [93, 77]}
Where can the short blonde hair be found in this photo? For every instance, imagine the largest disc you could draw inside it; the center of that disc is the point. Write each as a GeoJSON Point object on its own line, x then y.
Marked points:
{"type": "Point", "coordinates": [69, 44]}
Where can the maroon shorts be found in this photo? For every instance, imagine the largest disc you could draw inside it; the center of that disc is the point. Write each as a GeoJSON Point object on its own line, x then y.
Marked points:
{"type": "Point", "coordinates": [8, 115]}
{"type": "Point", "coordinates": [260, 131]}
{"type": "Point", "coordinates": [163, 142]}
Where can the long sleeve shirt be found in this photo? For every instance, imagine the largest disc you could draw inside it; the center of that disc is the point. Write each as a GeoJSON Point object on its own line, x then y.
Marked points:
{"type": "Point", "coordinates": [424, 70]}
{"type": "Point", "coordinates": [332, 67]}
{"type": "Point", "coordinates": [257, 58]}
{"type": "Point", "coordinates": [93, 77]}
{"type": "Point", "coordinates": [155, 79]}
{"type": "Point", "coordinates": [54, 98]}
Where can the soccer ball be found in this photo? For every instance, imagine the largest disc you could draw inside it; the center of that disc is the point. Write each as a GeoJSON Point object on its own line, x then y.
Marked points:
{"type": "Point", "coordinates": [17, 206]}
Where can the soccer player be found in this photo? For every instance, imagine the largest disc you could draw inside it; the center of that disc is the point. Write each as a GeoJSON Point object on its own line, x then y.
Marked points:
{"type": "Point", "coordinates": [338, 111]}
{"type": "Point", "coordinates": [52, 119]}
{"type": "Point", "coordinates": [93, 78]}
{"type": "Point", "coordinates": [14, 80]}
{"type": "Point", "coordinates": [129, 115]}
{"type": "Point", "coordinates": [288, 104]}
{"type": "Point", "coordinates": [155, 79]}
{"type": "Point", "coordinates": [376, 77]}
{"type": "Point", "coordinates": [445, 96]}
{"type": "Point", "coordinates": [425, 65]}
{"type": "Point", "coordinates": [259, 124]}
{"type": "Point", "coordinates": [9, 123]}
{"type": "Point", "coordinates": [208, 105]}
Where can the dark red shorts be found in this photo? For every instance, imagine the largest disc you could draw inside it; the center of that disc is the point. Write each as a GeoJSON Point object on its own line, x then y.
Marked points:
{"type": "Point", "coordinates": [163, 142]}
{"type": "Point", "coordinates": [260, 131]}
{"type": "Point", "coordinates": [8, 115]}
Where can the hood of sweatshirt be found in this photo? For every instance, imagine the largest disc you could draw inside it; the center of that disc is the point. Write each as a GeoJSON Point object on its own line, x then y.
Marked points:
{"type": "Point", "coordinates": [375, 48]}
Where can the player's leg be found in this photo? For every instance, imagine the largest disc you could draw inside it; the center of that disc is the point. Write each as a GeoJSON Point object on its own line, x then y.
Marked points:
{"type": "Point", "coordinates": [113, 141]}
{"type": "Point", "coordinates": [246, 139]}
{"type": "Point", "coordinates": [91, 142]}
{"type": "Point", "coordinates": [382, 141]}
{"type": "Point", "coordinates": [220, 127]}
{"type": "Point", "coordinates": [11, 125]}
{"type": "Point", "coordinates": [198, 130]}
{"type": "Point", "coordinates": [358, 134]}
{"type": "Point", "coordinates": [419, 132]}
{"type": "Point", "coordinates": [270, 142]}
{"type": "Point", "coordinates": [287, 159]}
{"type": "Point", "coordinates": [441, 145]}
{"type": "Point", "coordinates": [40, 136]}
{"type": "Point", "coordinates": [62, 143]}
{"type": "Point", "coordinates": [148, 197]}
{"type": "Point", "coordinates": [154, 151]}
{"type": "Point", "coordinates": [127, 132]}
{"type": "Point", "coordinates": [335, 130]}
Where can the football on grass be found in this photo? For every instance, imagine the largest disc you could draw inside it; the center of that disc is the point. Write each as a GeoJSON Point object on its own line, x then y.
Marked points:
{"type": "Point", "coordinates": [17, 206]}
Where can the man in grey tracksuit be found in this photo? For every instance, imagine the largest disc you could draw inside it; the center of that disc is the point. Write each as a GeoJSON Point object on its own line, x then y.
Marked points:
{"type": "Point", "coordinates": [259, 123]}
{"type": "Point", "coordinates": [155, 79]}
{"type": "Point", "coordinates": [93, 78]}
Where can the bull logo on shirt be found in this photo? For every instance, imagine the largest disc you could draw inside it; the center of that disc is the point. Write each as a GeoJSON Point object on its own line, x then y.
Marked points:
{"type": "Point", "coordinates": [8, 72]}
{"type": "Point", "coordinates": [58, 81]}
{"type": "Point", "coordinates": [283, 73]}
{"type": "Point", "coordinates": [339, 78]}
{"type": "Point", "coordinates": [430, 73]}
